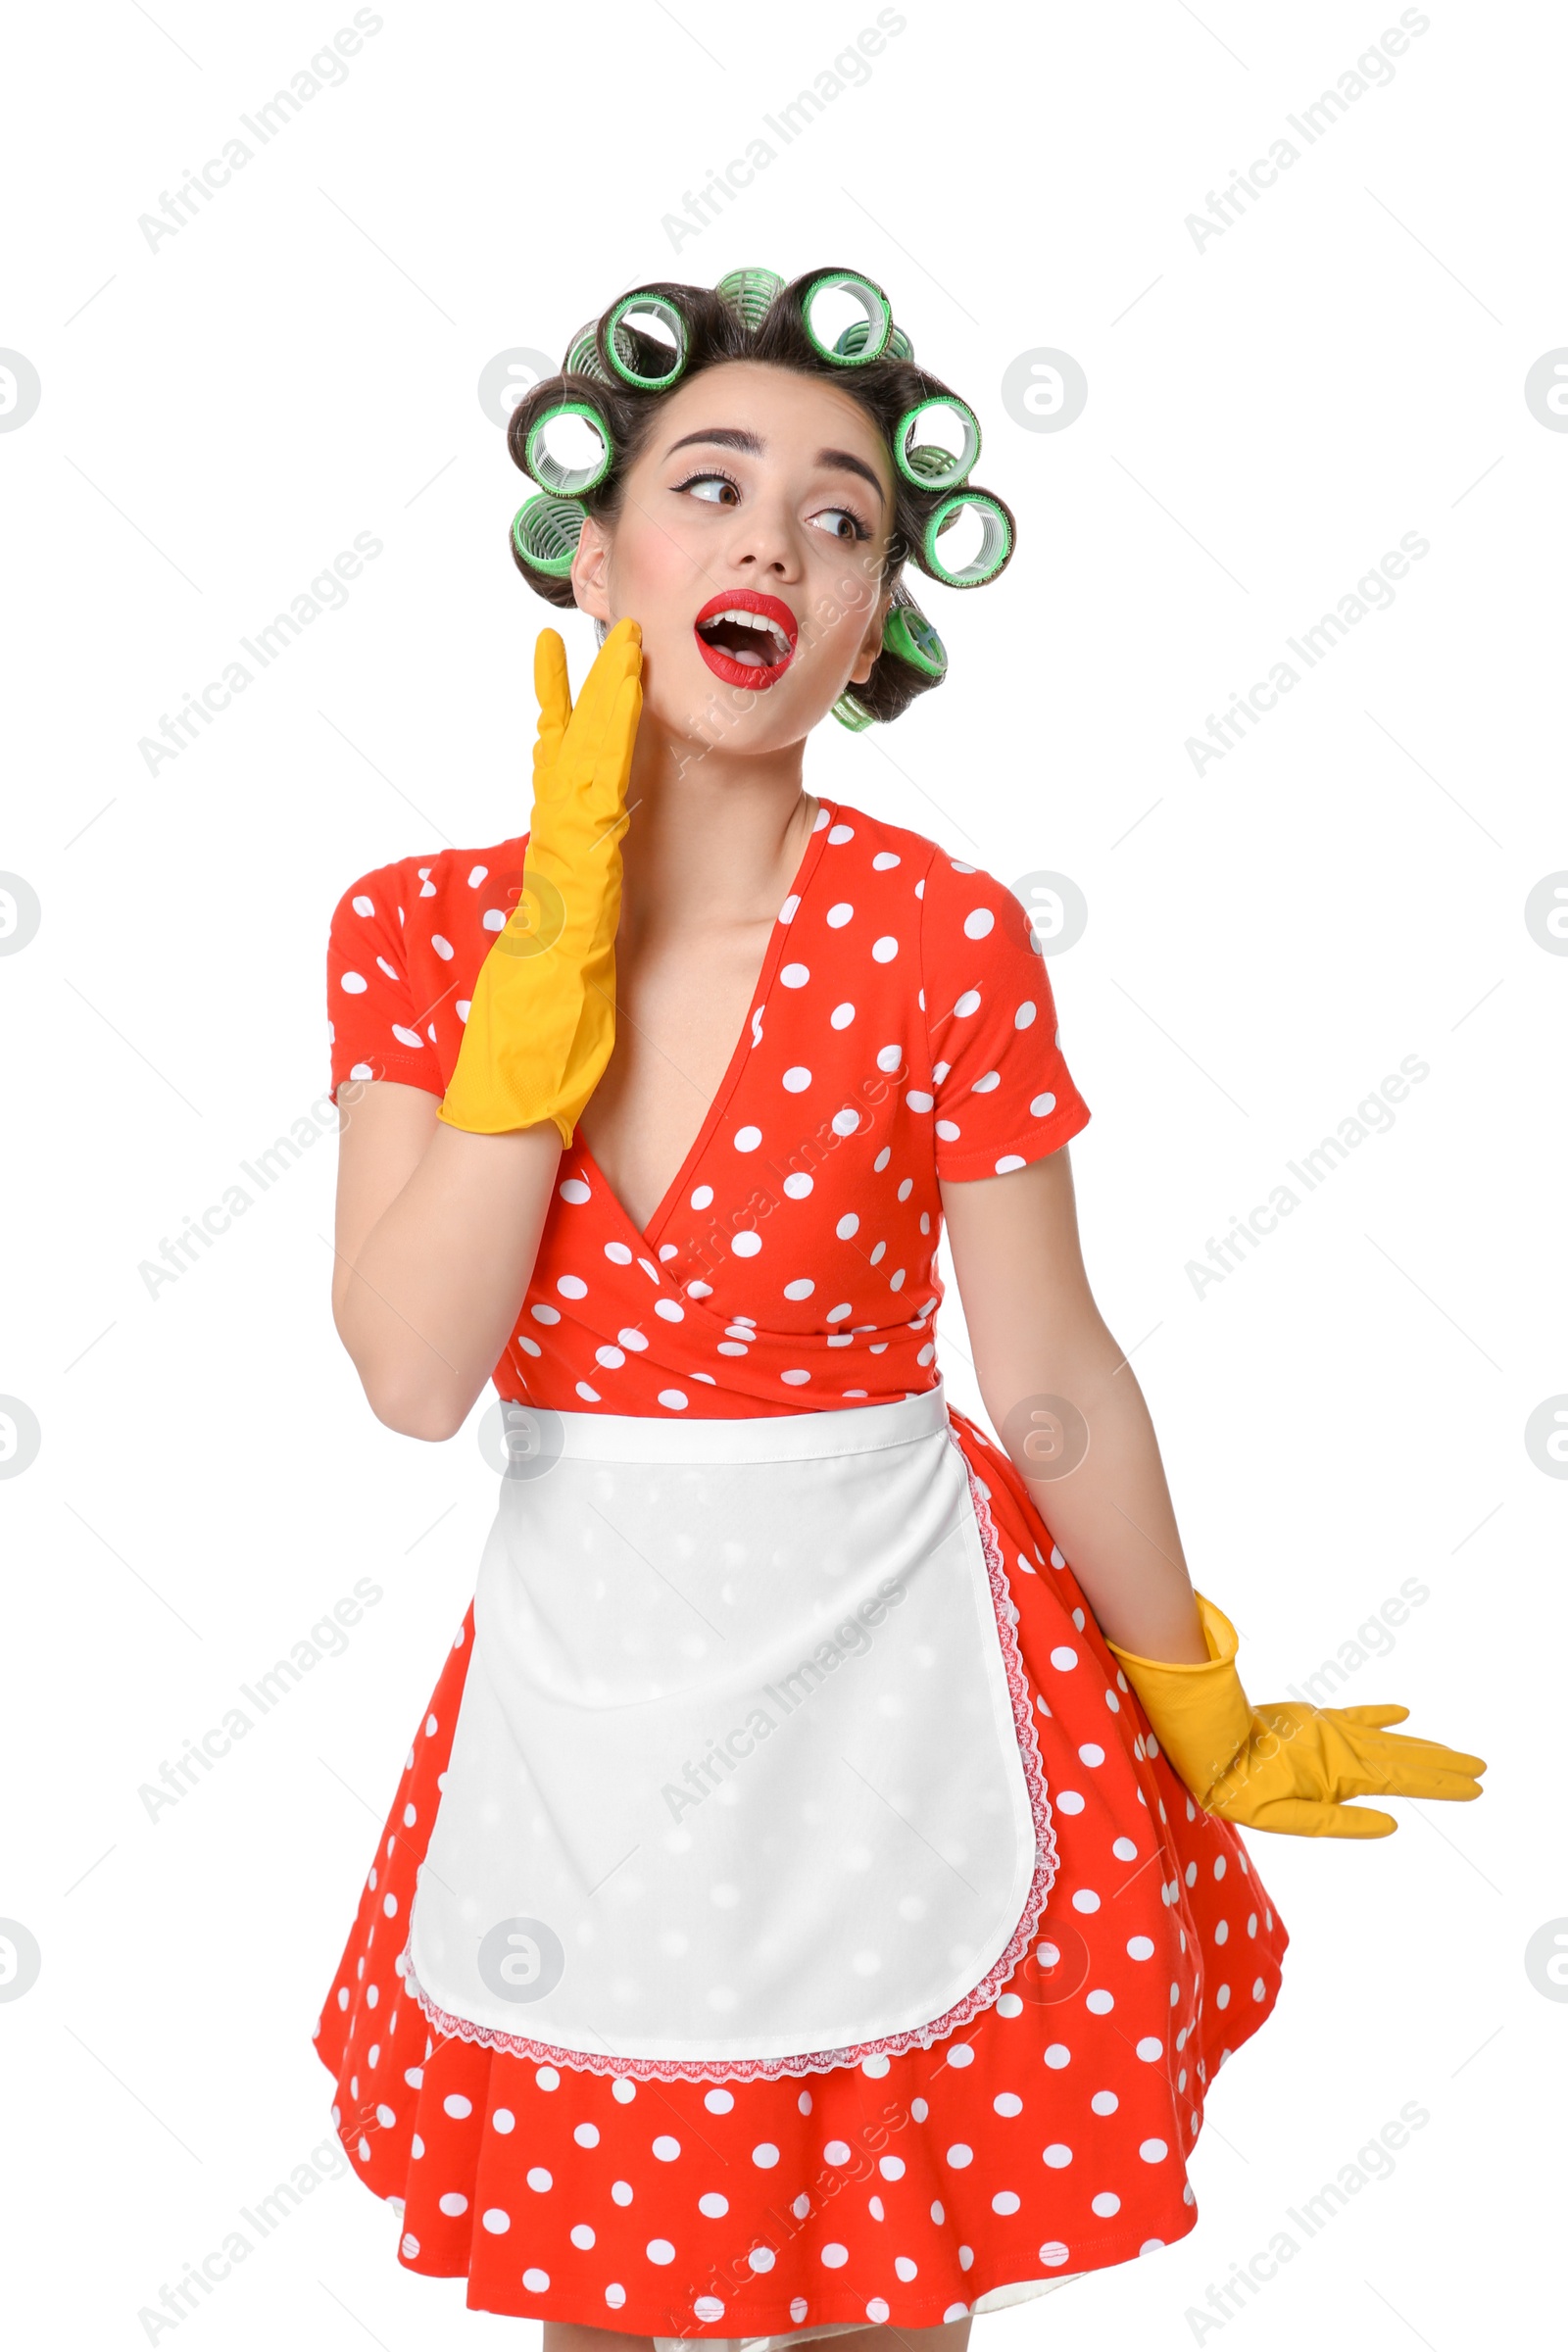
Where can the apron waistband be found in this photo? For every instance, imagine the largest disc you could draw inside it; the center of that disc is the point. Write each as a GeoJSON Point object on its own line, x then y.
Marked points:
{"type": "Point", "coordinates": [766, 1438]}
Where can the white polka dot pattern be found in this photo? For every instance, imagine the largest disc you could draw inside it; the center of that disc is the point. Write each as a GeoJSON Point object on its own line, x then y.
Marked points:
{"type": "Point", "coordinates": [909, 986]}
{"type": "Point", "coordinates": [1055, 2125]}
{"type": "Point", "coordinates": [791, 1268]}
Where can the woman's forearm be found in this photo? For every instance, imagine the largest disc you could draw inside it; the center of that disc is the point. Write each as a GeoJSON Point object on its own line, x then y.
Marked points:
{"type": "Point", "coordinates": [437, 1235]}
{"type": "Point", "coordinates": [1111, 1514]}
{"type": "Point", "coordinates": [1040, 1345]}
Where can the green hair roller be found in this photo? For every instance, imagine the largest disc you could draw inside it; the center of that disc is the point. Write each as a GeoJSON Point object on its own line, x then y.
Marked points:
{"type": "Point", "coordinates": [853, 713]}
{"type": "Point", "coordinates": [545, 531]}
{"type": "Point", "coordinates": [874, 330]}
{"type": "Point", "coordinates": [582, 355]}
{"type": "Point", "coordinates": [927, 464]}
{"type": "Point", "coordinates": [617, 340]}
{"type": "Point", "coordinates": [852, 341]}
{"type": "Point", "coordinates": [567, 481]}
{"type": "Point", "coordinates": [750, 293]}
{"type": "Point", "coordinates": [909, 634]}
{"type": "Point", "coordinates": [996, 539]}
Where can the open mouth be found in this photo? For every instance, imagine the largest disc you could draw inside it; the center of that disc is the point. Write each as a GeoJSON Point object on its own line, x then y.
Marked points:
{"type": "Point", "coordinates": [747, 639]}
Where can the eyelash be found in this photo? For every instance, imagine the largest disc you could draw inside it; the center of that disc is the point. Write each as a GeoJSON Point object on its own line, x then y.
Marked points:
{"type": "Point", "coordinates": [716, 473]}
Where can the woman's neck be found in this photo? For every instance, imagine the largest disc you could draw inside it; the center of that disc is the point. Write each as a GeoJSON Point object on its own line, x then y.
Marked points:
{"type": "Point", "coordinates": [714, 838]}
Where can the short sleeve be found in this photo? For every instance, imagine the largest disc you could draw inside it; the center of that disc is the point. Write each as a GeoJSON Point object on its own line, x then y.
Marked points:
{"type": "Point", "coordinates": [372, 1016]}
{"type": "Point", "coordinates": [1003, 1095]}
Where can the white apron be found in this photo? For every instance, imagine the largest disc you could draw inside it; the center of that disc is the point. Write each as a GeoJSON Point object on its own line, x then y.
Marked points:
{"type": "Point", "coordinates": [744, 1779]}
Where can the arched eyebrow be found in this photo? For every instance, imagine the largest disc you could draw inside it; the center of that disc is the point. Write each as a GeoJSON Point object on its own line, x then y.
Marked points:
{"type": "Point", "coordinates": [751, 445]}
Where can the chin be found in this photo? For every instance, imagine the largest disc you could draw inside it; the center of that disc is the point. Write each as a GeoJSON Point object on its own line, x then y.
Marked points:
{"type": "Point", "coordinates": [697, 709]}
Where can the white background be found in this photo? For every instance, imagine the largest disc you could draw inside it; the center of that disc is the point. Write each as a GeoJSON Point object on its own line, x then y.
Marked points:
{"type": "Point", "coordinates": [1266, 415]}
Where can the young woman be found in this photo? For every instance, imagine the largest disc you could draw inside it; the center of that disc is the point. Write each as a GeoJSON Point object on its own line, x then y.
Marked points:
{"type": "Point", "coordinates": [814, 1901]}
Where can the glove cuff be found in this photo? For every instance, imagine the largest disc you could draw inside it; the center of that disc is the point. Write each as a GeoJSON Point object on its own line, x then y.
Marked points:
{"type": "Point", "coordinates": [501, 1118]}
{"type": "Point", "coordinates": [1199, 1714]}
{"type": "Point", "coordinates": [1219, 1634]}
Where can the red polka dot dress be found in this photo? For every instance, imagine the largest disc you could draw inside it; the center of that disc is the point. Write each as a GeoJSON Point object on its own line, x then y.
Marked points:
{"type": "Point", "coordinates": [901, 1031]}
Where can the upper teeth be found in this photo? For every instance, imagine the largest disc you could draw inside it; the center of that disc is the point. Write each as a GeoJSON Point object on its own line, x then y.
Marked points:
{"type": "Point", "coordinates": [751, 620]}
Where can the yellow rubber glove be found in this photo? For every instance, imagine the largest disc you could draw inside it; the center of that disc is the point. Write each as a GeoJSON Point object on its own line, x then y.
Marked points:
{"type": "Point", "coordinates": [1286, 1767]}
{"type": "Point", "coordinates": [542, 1022]}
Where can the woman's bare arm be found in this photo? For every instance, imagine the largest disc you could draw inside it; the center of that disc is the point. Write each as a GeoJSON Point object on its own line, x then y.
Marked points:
{"type": "Point", "coordinates": [437, 1232]}
{"type": "Point", "coordinates": [1037, 1333]}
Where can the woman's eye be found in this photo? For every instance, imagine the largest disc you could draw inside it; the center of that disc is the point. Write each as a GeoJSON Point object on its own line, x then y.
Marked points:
{"type": "Point", "coordinates": [716, 488]}
{"type": "Point", "coordinates": [841, 523]}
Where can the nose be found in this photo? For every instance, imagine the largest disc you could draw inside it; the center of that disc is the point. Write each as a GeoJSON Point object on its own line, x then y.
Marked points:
{"type": "Point", "coordinates": [765, 544]}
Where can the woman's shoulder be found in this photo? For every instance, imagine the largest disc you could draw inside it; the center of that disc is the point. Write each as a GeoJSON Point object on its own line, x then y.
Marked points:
{"type": "Point", "coordinates": [1000, 1090]}
{"type": "Point", "coordinates": [403, 950]}
{"type": "Point", "coordinates": [955, 890]}
{"type": "Point", "coordinates": [886, 844]}
{"type": "Point", "coordinates": [434, 894]}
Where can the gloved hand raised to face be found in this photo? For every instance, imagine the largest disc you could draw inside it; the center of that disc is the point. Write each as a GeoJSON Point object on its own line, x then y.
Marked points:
{"type": "Point", "coordinates": [1286, 1766]}
{"type": "Point", "coordinates": [542, 1022]}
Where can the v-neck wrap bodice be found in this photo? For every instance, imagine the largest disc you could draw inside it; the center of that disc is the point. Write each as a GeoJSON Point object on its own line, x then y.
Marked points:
{"type": "Point", "coordinates": [901, 1032]}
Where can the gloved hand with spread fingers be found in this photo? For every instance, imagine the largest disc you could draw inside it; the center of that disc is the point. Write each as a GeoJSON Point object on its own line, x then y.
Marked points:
{"type": "Point", "coordinates": [1287, 1766]}
{"type": "Point", "coordinates": [540, 1025]}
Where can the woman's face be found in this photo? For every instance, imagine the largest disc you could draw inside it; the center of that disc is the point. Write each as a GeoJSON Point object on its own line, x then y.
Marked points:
{"type": "Point", "coordinates": [767, 496]}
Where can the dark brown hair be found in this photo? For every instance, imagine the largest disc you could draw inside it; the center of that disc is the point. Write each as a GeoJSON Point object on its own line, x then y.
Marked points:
{"type": "Point", "coordinates": [717, 330]}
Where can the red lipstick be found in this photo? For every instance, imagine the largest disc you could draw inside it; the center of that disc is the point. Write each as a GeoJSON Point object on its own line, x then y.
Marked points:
{"type": "Point", "coordinates": [741, 647]}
